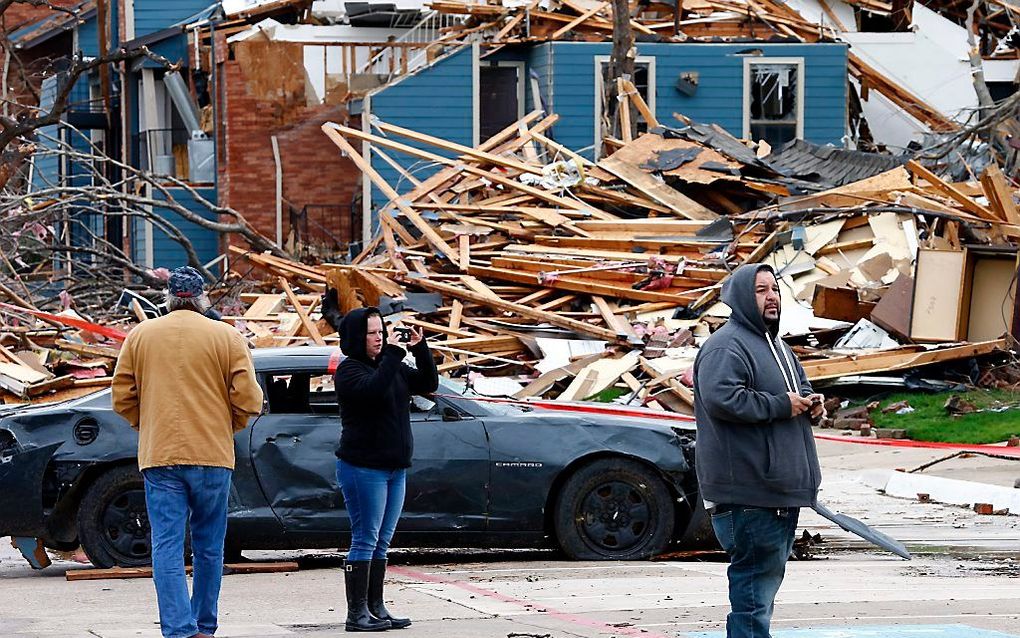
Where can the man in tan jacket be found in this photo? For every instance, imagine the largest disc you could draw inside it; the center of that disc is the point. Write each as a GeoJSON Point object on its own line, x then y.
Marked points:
{"type": "Point", "coordinates": [187, 384]}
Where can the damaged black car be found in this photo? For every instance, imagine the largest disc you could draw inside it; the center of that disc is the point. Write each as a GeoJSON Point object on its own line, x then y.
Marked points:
{"type": "Point", "coordinates": [598, 483]}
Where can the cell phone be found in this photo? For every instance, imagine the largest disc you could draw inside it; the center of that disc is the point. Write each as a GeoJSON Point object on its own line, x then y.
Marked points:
{"type": "Point", "coordinates": [404, 334]}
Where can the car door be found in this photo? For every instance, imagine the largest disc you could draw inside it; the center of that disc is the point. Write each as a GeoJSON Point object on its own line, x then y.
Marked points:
{"type": "Point", "coordinates": [448, 483]}
{"type": "Point", "coordinates": [293, 452]}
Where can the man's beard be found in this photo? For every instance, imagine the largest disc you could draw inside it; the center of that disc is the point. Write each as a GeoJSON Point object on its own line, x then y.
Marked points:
{"type": "Point", "coordinates": [770, 323]}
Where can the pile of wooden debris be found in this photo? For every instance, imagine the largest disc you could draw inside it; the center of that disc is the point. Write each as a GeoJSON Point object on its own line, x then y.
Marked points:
{"type": "Point", "coordinates": [537, 273]}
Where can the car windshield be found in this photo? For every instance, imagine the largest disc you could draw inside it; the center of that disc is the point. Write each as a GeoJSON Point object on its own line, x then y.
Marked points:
{"type": "Point", "coordinates": [459, 389]}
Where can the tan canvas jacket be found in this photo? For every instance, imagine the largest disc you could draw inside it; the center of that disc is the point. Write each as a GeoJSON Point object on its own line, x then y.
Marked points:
{"type": "Point", "coordinates": [187, 384]}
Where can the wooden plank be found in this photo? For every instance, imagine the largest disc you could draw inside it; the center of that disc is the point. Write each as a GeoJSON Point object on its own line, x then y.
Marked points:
{"type": "Point", "coordinates": [487, 344]}
{"type": "Point", "coordinates": [949, 190]}
{"type": "Point", "coordinates": [309, 325]}
{"type": "Point", "coordinates": [639, 103]}
{"type": "Point", "coordinates": [333, 132]}
{"type": "Point", "coordinates": [578, 20]}
{"type": "Point", "coordinates": [583, 284]}
{"type": "Point", "coordinates": [492, 176]}
{"type": "Point", "coordinates": [656, 190]}
{"type": "Point", "coordinates": [120, 573]}
{"type": "Point", "coordinates": [86, 349]}
{"type": "Point", "coordinates": [999, 194]}
{"type": "Point", "coordinates": [549, 379]}
{"type": "Point", "coordinates": [524, 311]}
{"type": "Point", "coordinates": [265, 305]}
{"type": "Point", "coordinates": [892, 360]}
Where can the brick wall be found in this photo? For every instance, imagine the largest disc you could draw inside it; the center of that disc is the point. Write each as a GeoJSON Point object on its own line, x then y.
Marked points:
{"type": "Point", "coordinates": [19, 14]}
{"type": "Point", "coordinates": [313, 171]}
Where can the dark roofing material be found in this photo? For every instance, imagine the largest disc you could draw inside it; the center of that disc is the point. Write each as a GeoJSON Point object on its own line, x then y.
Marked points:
{"type": "Point", "coordinates": [830, 165]}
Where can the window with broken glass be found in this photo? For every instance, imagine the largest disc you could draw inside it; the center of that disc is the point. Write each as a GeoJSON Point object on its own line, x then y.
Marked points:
{"type": "Point", "coordinates": [774, 111]}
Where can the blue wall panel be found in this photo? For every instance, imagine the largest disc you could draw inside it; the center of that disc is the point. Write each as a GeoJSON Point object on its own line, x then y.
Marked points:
{"type": "Point", "coordinates": [719, 96]}
{"type": "Point", "coordinates": [156, 15]}
{"type": "Point", "coordinates": [88, 37]}
{"type": "Point", "coordinates": [436, 101]}
{"type": "Point", "coordinates": [166, 252]}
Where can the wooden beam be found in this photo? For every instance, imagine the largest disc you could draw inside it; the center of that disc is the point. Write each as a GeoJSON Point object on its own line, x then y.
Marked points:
{"type": "Point", "coordinates": [309, 325]}
{"type": "Point", "coordinates": [524, 311]}
{"type": "Point", "coordinates": [999, 194]}
{"type": "Point", "coordinates": [333, 132]}
{"type": "Point", "coordinates": [891, 360]}
{"type": "Point", "coordinates": [563, 202]}
{"type": "Point", "coordinates": [953, 193]}
{"type": "Point", "coordinates": [656, 190]}
{"type": "Point", "coordinates": [556, 35]}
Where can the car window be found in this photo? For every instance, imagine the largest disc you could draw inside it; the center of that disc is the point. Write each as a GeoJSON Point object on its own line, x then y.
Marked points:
{"type": "Point", "coordinates": [457, 391]}
{"type": "Point", "coordinates": [301, 393]}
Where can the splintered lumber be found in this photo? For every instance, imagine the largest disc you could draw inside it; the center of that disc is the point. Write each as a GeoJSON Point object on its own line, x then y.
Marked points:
{"type": "Point", "coordinates": [549, 379]}
{"type": "Point", "coordinates": [900, 359]}
{"type": "Point", "coordinates": [333, 132]}
{"type": "Point", "coordinates": [597, 376]}
{"type": "Point", "coordinates": [524, 311]}
{"type": "Point", "coordinates": [999, 194]}
{"type": "Point", "coordinates": [660, 192]}
{"type": "Point", "coordinates": [309, 326]}
{"type": "Point", "coordinates": [870, 78]}
{"type": "Point", "coordinates": [581, 284]}
{"type": "Point", "coordinates": [120, 573]}
{"type": "Point", "coordinates": [952, 192]}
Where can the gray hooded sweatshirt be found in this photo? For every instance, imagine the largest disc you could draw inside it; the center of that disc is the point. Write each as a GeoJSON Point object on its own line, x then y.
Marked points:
{"type": "Point", "coordinates": [750, 451]}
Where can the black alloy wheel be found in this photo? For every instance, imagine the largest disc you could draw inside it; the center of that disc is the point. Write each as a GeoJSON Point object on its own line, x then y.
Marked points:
{"type": "Point", "coordinates": [113, 525]}
{"type": "Point", "coordinates": [614, 509]}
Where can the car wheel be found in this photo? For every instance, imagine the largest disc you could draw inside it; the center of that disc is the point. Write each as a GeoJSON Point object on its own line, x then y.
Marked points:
{"type": "Point", "coordinates": [614, 509]}
{"type": "Point", "coordinates": [113, 525]}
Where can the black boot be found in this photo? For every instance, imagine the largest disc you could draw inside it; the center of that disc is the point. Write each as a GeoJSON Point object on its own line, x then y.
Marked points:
{"type": "Point", "coordinates": [356, 586]}
{"type": "Point", "coordinates": [376, 578]}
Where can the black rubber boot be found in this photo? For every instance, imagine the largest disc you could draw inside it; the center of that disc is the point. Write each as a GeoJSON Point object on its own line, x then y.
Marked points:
{"type": "Point", "coordinates": [376, 580]}
{"type": "Point", "coordinates": [356, 586]}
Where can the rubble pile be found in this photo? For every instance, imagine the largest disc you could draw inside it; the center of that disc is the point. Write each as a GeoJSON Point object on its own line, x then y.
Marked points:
{"type": "Point", "coordinates": [537, 273]}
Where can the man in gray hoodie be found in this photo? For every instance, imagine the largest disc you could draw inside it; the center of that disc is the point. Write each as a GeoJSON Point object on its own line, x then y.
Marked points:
{"type": "Point", "coordinates": [756, 459]}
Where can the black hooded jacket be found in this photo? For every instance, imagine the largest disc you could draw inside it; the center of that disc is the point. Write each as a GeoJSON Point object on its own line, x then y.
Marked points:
{"type": "Point", "coordinates": [750, 450]}
{"type": "Point", "coordinates": [374, 396]}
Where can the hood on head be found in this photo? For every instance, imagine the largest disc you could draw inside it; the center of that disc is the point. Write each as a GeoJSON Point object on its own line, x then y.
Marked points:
{"type": "Point", "coordinates": [738, 294]}
{"type": "Point", "coordinates": [354, 329]}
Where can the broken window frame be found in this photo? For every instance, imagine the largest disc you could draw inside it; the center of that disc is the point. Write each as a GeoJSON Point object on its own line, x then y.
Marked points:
{"type": "Point", "coordinates": [798, 119]}
{"type": "Point", "coordinates": [648, 94]}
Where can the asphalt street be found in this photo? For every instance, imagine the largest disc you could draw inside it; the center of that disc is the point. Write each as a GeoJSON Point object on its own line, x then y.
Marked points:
{"type": "Point", "coordinates": [963, 582]}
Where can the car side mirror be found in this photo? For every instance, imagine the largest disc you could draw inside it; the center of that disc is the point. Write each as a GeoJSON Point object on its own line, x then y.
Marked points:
{"type": "Point", "coordinates": [451, 414]}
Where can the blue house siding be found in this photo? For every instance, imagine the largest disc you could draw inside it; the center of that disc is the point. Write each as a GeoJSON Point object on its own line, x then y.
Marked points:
{"type": "Point", "coordinates": [165, 251]}
{"type": "Point", "coordinates": [155, 15]}
{"type": "Point", "coordinates": [437, 102]}
{"type": "Point", "coordinates": [719, 96]}
{"type": "Point", "coordinates": [540, 66]}
{"type": "Point", "coordinates": [88, 37]}
{"type": "Point", "coordinates": [46, 166]}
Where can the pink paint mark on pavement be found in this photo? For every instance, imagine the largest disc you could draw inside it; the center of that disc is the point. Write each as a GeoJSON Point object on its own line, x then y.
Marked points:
{"type": "Point", "coordinates": [566, 617]}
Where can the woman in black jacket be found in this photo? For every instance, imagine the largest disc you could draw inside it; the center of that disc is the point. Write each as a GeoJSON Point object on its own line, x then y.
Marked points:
{"type": "Point", "coordinates": [374, 388]}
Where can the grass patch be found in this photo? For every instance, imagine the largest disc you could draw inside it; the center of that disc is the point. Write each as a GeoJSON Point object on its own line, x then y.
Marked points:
{"type": "Point", "coordinates": [930, 422]}
{"type": "Point", "coordinates": [608, 395]}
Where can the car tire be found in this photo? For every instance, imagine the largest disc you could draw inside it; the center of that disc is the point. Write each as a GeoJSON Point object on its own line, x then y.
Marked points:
{"type": "Point", "coordinates": [614, 509]}
{"type": "Point", "coordinates": [113, 525]}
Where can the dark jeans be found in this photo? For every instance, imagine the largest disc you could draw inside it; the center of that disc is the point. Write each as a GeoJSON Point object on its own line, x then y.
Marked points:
{"type": "Point", "coordinates": [374, 500]}
{"type": "Point", "coordinates": [174, 496]}
{"type": "Point", "coordinates": [758, 542]}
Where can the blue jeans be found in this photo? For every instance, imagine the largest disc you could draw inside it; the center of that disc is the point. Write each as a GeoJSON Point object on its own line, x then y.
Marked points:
{"type": "Point", "coordinates": [174, 496]}
{"type": "Point", "coordinates": [374, 500]}
{"type": "Point", "coordinates": [758, 542]}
